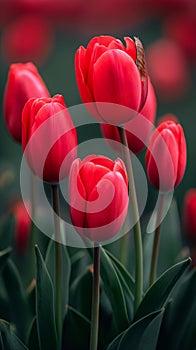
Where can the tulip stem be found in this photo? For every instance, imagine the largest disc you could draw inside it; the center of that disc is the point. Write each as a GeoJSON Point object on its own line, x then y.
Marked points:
{"type": "Point", "coordinates": [32, 234]}
{"type": "Point", "coordinates": [124, 242]}
{"type": "Point", "coordinates": [155, 249]}
{"type": "Point", "coordinates": [136, 228]}
{"type": "Point", "coordinates": [95, 300]}
{"type": "Point", "coordinates": [58, 264]}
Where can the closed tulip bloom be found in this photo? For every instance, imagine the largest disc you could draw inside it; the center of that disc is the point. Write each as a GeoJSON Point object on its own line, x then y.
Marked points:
{"type": "Point", "coordinates": [98, 197]}
{"type": "Point", "coordinates": [189, 215]}
{"type": "Point", "coordinates": [109, 72]}
{"type": "Point", "coordinates": [166, 156]}
{"type": "Point", "coordinates": [138, 138]}
{"type": "Point", "coordinates": [49, 137]}
{"type": "Point", "coordinates": [24, 82]}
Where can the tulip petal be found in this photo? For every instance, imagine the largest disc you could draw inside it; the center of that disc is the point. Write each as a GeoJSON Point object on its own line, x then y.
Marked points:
{"type": "Point", "coordinates": [106, 223]}
{"type": "Point", "coordinates": [130, 48]}
{"type": "Point", "coordinates": [96, 173]}
{"type": "Point", "coordinates": [81, 71]}
{"type": "Point", "coordinates": [104, 161]}
{"type": "Point", "coordinates": [116, 80]}
{"type": "Point", "coordinates": [182, 155]}
{"type": "Point", "coordinates": [77, 195]}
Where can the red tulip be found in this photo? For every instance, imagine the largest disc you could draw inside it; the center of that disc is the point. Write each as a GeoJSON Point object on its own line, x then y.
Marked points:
{"type": "Point", "coordinates": [49, 137]}
{"type": "Point", "coordinates": [166, 156]}
{"type": "Point", "coordinates": [189, 215]}
{"type": "Point", "coordinates": [37, 38]}
{"type": "Point", "coordinates": [98, 197]}
{"type": "Point", "coordinates": [23, 83]}
{"type": "Point", "coordinates": [109, 72]}
{"type": "Point", "coordinates": [138, 138]}
{"type": "Point", "coordinates": [22, 227]}
{"type": "Point", "coordinates": [181, 27]}
{"type": "Point", "coordinates": [168, 69]}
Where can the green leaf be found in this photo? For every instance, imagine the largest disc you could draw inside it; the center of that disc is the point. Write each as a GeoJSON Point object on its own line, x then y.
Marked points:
{"type": "Point", "coordinates": [157, 295]}
{"type": "Point", "coordinates": [115, 343]}
{"type": "Point", "coordinates": [8, 340]}
{"type": "Point", "coordinates": [76, 330]}
{"type": "Point", "coordinates": [114, 291]}
{"type": "Point", "coordinates": [178, 330]}
{"type": "Point", "coordinates": [33, 341]}
{"type": "Point", "coordinates": [66, 270]}
{"type": "Point", "coordinates": [143, 334]}
{"type": "Point", "coordinates": [4, 255]}
{"type": "Point", "coordinates": [125, 275]}
{"type": "Point", "coordinates": [45, 310]}
{"type": "Point", "coordinates": [79, 299]}
{"type": "Point", "coordinates": [17, 299]}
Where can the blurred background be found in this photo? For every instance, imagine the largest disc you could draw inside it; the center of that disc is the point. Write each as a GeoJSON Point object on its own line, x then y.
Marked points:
{"type": "Point", "coordinates": [48, 33]}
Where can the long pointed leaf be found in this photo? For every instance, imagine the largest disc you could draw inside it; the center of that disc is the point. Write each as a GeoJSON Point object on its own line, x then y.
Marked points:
{"type": "Point", "coordinates": [124, 273]}
{"type": "Point", "coordinates": [45, 310]}
{"type": "Point", "coordinates": [157, 295]}
{"type": "Point", "coordinates": [143, 334]}
{"type": "Point", "coordinates": [17, 299]}
{"type": "Point", "coordinates": [66, 271]}
{"type": "Point", "coordinates": [113, 289]}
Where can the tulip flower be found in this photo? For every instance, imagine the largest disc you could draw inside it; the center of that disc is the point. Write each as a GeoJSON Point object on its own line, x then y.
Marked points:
{"type": "Point", "coordinates": [23, 83]}
{"type": "Point", "coordinates": [98, 197]}
{"type": "Point", "coordinates": [36, 43]}
{"type": "Point", "coordinates": [22, 227]}
{"type": "Point", "coordinates": [166, 156]}
{"type": "Point", "coordinates": [138, 138]}
{"type": "Point", "coordinates": [107, 72]}
{"type": "Point", "coordinates": [189, 217]}
{"type": "Point", "coordinates": [49, 137]}
{"type": "Point", "coordinates": [168, 69]}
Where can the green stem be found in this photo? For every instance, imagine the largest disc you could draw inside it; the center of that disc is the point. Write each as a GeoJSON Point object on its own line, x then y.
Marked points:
{"type": "Point", "coordinates": [32, 242]}
{"type": "Point", "coordinates": [124, 242]}
{"type": "Point", "coordinates": [58, 264]}
{"type": "Point", "coordinates": [95, 300]}
{"type": "Point", "coordinates": [136, 228]}
{"type": "Point", "coordinates": [155, 249]}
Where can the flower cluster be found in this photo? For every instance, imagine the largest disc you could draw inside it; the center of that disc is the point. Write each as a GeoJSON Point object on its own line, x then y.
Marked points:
{"type": "Point", "coordinates": [116, 90]}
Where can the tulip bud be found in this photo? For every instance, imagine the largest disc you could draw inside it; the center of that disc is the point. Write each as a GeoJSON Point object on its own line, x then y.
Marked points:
{"type": "Point", "coordinates": [138, 138]}
{"type": "Point", "coordinates": [23, 83]}
{"type": "Point", "coordinates": [108, 72]}
{"type": "Point", "coordinates": [166, 156]}
{"type": "Point", "coordinates": [49, 138]}
{"type": "Point", "coordinates": [98, 197]}
{"type": "Point", "coordinates": [189, 215]}
{"type": "Point", "coordinates": [22, 227]}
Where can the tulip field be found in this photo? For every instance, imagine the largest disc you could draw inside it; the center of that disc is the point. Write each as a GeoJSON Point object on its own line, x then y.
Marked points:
{"type": "Point", "coordinates": [97, 175]}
